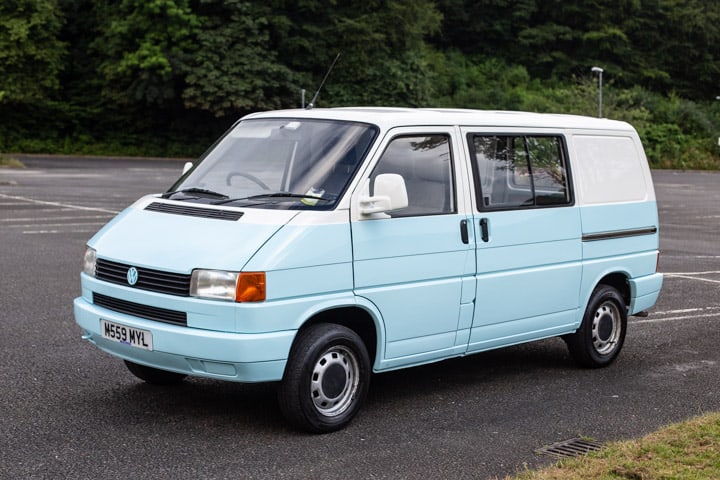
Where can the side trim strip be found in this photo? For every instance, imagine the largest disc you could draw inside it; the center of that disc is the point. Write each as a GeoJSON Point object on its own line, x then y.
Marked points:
{"type": "Point", "coordinates": [592, 237]}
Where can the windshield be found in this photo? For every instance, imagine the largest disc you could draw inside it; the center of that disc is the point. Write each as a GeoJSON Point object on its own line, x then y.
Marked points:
{"type": "Point", "coordinates": [278, 163]}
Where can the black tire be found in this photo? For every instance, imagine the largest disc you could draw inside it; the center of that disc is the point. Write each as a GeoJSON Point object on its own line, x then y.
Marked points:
{"type": "Point", "coordinates": [154, 376]}
{"type": "Point", "coordinates": [326, 378]}
{"type": "Point", "coordinates": [601, 335]}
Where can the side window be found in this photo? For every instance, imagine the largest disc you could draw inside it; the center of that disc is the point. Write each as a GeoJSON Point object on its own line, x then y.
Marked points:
{"type": "Point", "coordinates": [513, 171]}
{"type": "Point", "coordinates": [425, 163]}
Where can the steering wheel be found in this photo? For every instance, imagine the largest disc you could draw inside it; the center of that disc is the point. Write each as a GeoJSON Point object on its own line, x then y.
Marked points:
{"type": "Point", "coordinates": [252, 178]}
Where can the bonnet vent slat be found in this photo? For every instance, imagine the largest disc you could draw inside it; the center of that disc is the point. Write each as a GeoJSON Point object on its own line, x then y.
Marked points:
{"type": "Point", "coordinates": [194, 211]}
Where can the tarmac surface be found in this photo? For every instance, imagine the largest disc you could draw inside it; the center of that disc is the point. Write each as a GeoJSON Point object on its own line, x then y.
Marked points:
{"type": "Point", "coordinates": [71, 411]}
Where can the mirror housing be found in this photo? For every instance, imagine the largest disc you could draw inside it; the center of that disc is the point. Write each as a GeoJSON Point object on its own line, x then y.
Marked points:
{"type": "Point", "coordinates": [187, 167]}
{"type": "Point", "coordinates": [389, 194]}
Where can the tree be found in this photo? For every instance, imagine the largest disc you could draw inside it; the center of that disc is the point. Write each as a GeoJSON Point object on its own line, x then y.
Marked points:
{"type": "Point", "coordinates": [384, 55]}
{"type": "Point", "coordinates": [146, 45]}
{"type": "Point", "coordinates": [235, 68]}
{"type": "Point", "coordinates": [31, 55]}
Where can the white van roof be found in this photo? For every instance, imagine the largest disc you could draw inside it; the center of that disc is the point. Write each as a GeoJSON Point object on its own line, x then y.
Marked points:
{"type": "Point", "coordinates": [386, 117]}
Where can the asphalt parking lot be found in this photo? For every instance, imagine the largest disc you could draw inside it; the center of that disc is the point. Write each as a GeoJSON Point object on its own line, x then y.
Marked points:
{"type": "Point", "coordinates": [70, 411]}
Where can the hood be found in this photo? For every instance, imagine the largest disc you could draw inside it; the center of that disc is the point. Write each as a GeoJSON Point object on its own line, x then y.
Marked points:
{"type": "Point", "coordinates": [179, 237]}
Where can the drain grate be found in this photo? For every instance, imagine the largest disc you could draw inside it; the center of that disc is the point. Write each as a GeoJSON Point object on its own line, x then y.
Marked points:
{"type": "Point", "coordinates": [574, 447]}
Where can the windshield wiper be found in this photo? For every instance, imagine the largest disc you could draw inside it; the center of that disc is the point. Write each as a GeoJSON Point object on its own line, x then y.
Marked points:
{"type": "Point", "coordinates": [196, 190]}
{"type": "Point", "coordinates": [314, 198]}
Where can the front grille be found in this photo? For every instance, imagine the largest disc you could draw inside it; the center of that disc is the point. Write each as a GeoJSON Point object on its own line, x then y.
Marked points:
{"type": "Point", "coordinates": [142, 311]}
{"type": "Point", "coordinates": [217, 214]}
{"type": "Point", "coordinates": [152, 280]}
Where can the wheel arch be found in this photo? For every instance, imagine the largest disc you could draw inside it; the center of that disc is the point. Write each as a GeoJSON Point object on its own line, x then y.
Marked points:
{"type": "Point", "coordinates": [356, 319]}
{"type": "Point", "coordinates": [619, 281]}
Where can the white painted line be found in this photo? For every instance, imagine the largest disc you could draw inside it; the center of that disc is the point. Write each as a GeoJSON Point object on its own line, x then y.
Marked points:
{"type": "Point", "coordinates": [42, 232]}
{"type": "Point", "coordinates": [675, 312]}
{"type": "Point", "coordinates": [690, 256]}
{"type": "Point", "coordinates": [680, 274]}
{"type": "Point", "coordinates": [81, 224]}
{"type": "Point", "coordinates": [672, 319]}
{"type": "Point", "coordinates": [686, 310]}
{"type": "Point", "coordinates": [45, 219]}
{"type": "Point", "coordinates": [58, 204]}
{"type": "Point", "coordinates": [688, 277]}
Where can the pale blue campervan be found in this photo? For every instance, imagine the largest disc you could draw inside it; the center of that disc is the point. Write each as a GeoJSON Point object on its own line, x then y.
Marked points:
{"type": "Point", "coordinates": [314, 247]}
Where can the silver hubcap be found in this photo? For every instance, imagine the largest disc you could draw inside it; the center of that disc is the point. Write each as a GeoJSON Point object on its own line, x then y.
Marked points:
{"type": "Point", "coordinates": [606, 328]}
{"type": "Point", "coordinates": [334, 381]}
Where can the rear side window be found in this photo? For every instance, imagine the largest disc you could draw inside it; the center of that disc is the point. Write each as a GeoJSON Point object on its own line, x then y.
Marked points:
{"type": "Point", "coordinates": [519, 171]}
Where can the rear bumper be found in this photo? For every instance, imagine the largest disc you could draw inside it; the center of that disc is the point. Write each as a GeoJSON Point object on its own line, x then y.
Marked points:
{"type": "Point", "coordinates": [259, 357]}
{"type": "Point", "coordinates": [644, 292]}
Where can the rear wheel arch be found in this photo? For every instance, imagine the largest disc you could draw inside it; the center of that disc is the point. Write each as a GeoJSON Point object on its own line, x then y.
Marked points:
{"type": "Point", "coordinates": [619, 281]}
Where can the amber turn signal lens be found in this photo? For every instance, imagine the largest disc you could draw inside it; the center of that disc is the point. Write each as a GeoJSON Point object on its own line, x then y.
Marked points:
{"type": "Point", "coordinates": [250, 287]}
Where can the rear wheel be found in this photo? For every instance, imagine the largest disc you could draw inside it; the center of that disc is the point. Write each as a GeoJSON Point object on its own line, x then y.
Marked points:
{"type": "Point", "coordinates": [326, 378]}
{"type": "Point", "coordinates": [601, 335]}
{"type": "Point", "coordinates": [153, 375]}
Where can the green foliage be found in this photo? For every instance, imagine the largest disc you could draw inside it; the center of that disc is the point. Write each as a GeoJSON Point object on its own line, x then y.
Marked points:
{"type": "Point", "coordinates": [384, 56]}
{"type": "Point", "coordinates": [234, 70]}
{"type": "Point", "coordinates": [164, 77]}
{"type": "Point", "coordinates": [146, 45]}
{"type": "Point", "coordinates": [30, 53]}
{"type": "Point", "coordinates": [465, 82]}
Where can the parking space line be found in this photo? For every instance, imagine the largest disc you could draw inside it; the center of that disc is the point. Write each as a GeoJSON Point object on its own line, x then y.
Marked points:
{"type": "Point", "coordinates": [699, 279]}
{"type": "Point", "coordinates": [75, 230]}
{"type": "Point", "coordinates": [58, 204]}
{"type": "Point", "coordinates": [44, 219]}
{"type": "Point", "coordinates": [670, 319]}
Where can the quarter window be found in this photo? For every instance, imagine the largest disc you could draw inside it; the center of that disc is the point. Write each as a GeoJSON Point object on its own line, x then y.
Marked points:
{"type": "Point", "coordinates": [514, 171]}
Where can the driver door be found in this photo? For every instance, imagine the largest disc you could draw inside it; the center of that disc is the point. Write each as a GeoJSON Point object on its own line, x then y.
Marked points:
{"type": "Point", "coordinates": [416, 264]}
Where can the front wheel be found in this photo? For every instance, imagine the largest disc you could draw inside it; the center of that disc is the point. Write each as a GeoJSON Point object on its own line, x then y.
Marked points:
{"type": "Point", "coordinates": [326, 378]}
{"type": "Point", "coordinates": [601, 335]}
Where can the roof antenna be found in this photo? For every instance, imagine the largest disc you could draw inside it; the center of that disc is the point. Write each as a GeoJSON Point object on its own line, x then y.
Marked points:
{"type": "Point", "coordinates": [312, 102]}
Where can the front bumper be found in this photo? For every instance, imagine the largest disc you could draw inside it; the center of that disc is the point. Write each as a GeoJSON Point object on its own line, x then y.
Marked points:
{"type": "Point", "coordinates": [240, 357]}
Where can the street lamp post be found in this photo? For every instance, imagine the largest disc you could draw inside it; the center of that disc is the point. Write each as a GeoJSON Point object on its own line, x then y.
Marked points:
{"type": "Point", "coordinates": [599, 71]}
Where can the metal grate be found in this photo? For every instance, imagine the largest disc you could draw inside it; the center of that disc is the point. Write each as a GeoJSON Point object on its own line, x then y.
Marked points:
{"type": "Point", "coordinates": [143, 311]}
{"type": "Point", "coordinates": [194, 211]}
{"type": "Point", "coordinates": [574, 447]}
{"type": "Point", "coordinates": [147, 279]}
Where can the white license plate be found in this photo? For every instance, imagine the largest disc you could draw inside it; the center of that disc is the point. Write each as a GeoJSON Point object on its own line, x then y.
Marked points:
{"type": "Point", "coordinates": [127, 335]}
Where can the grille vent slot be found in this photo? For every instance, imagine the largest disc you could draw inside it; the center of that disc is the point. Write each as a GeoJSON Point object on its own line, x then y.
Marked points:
{"type": "Point", "coordinates": [194, 211]}
{"type": "Point", "coordinates": [574, 447]}
{"type": "Point", "coordinates": [152, 280]}
{"type": "Point", "coordinates": [143, 311]}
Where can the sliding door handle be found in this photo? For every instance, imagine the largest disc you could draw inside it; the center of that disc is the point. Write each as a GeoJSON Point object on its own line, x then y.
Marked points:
{"type": "Point", "coordinates": [484, 234]}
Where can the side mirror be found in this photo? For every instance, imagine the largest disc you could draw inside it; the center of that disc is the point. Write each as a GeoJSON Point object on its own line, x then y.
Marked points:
{"type": "Point", "coordinates": [186, 167]}
{"type": "Point", "coordinates": [390, 194]}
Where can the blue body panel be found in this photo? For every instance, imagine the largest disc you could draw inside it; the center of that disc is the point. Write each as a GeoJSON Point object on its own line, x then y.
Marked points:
{"type": "Point", "coordinates": [413, 269]}
{"type": "Point", "coordinates": [528, 276]}
{"type": "Point", "coordinates": [181, 243]}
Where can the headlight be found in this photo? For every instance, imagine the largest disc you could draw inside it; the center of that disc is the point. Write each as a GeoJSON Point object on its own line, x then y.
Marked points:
{"type": "Point", "coordinates": [231, 286]}
{"type": "Point", "coordinates": [89, 260]}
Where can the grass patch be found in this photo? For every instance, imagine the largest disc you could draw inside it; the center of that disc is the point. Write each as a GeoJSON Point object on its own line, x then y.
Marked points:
{"type": "Point", "coordinates": [10, 162]}
{"type": "Point", "coordinates": [687, 450]}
